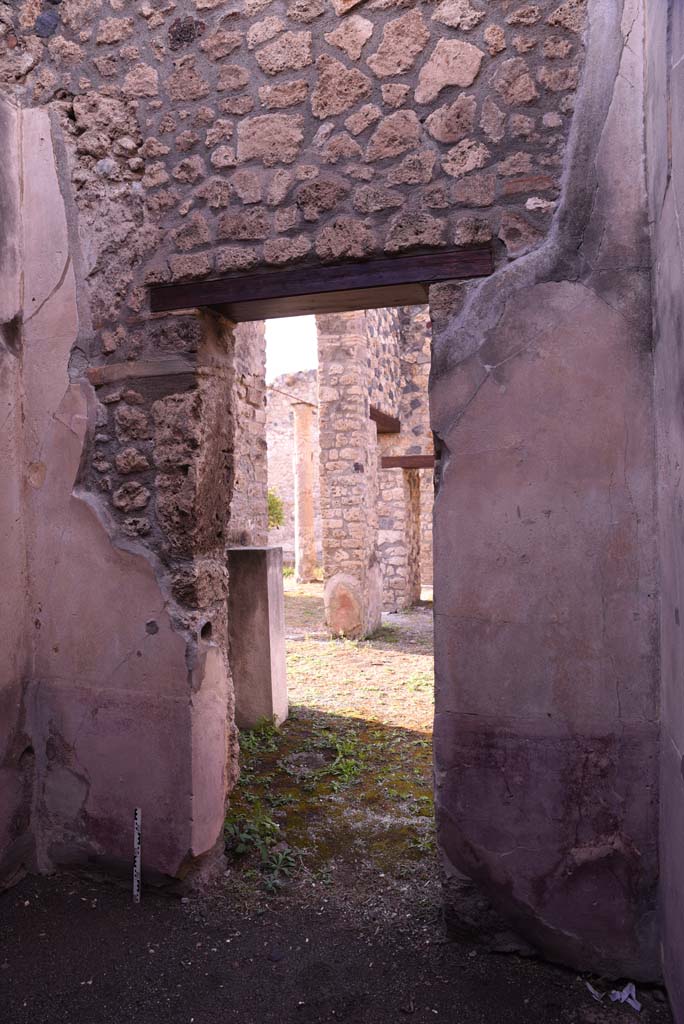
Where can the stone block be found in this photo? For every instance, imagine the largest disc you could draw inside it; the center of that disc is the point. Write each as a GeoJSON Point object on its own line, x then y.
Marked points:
{"type": "Point", "coordinates": [256, 631]}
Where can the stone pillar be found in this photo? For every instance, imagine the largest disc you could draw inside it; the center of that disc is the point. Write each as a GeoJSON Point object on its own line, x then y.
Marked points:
{"type": "Point", "coordinates": [303, 461]}
{"type": "Point", "coordinates": [398, 534]}
{"type": "Point", "coordinates": [427, 500]}
{"type": "Point", "coordinates": [256, 631]}
{"type": "Point", "coordinates": [348, 477]}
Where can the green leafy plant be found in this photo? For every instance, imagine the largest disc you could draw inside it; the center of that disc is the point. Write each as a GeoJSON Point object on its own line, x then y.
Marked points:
{"type": "Point", "coordinates": [262, 739]}
{"type": "Point", "coordinates": [276, 511]}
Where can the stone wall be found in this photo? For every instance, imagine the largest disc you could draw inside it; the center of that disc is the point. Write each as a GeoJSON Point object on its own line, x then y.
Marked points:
{"type": "Point", "coordinates": [248, 506]}
{"type": "Point", "coordinates": [280, 439]}
{"type": "Point", "coordinates": [664, 128]}
{"type": "Point", "coordinates": [214, 136]}
{"type": "Point", "coordinates": [206, 137]}
{"type": "Point", "coordinates": [384, 345]}
{"type": "Point", "coordinates": [405, 514]}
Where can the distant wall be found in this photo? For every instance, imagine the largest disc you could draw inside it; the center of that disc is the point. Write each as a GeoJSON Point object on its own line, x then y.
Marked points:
{"type": "Point", "coordinates": [665, 151]}
{"type": "Point", "coordinates": [280, 441]}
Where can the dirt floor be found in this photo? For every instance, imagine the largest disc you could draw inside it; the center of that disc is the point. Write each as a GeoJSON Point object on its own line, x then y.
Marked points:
{"type": "Point", "coordinates": [328, 908]}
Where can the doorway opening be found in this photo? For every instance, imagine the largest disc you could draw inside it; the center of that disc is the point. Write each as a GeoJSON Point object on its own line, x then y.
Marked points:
{"type": "Point", "coordinates": [338, 800]}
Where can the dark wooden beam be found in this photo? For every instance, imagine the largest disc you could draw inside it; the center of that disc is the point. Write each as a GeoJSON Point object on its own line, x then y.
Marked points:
{"type": "Point", "coordinates": [407, 462]}
{"type": "Point", "coordinates": [400, 281]}
{"type": "Point", "coordinates": [386, 424]}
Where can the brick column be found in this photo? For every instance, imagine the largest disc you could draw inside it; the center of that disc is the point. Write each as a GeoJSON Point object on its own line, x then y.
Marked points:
{"type": "Point", "coordinates": [303, 462]}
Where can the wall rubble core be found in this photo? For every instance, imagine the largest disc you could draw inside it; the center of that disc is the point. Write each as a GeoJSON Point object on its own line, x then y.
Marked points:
{"type": "Point", "coordinates": [148, 142]}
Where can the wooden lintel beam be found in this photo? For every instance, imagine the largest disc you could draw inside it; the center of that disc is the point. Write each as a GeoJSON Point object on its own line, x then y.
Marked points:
{"type": "Point", "coordinates": [386, 424]}
{"type": "Point", "coordinates": [407, 462]}
{"type": "Point", "coordinates": [401, 280]}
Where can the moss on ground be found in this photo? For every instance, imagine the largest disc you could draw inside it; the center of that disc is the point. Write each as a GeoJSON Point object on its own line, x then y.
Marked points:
{"type": "Point", "coordinates": [341, 796]}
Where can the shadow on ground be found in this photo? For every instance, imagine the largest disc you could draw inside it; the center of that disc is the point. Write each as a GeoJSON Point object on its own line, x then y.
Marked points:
{"type": "Point", "coordinates": [329, 908]}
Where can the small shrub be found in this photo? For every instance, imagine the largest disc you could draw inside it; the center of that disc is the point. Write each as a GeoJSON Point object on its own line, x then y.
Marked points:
{"type": "Point", "coordinates": [276, 511]}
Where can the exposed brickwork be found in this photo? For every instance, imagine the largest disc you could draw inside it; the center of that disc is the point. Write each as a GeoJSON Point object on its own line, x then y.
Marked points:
{"type": "Point", "coordinates": [209, 137]}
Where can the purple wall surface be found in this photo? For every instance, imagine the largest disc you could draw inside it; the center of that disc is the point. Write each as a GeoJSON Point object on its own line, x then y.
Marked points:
{"type": "Point", "coordinates": [546, 731]}
{"type": "Point", "coordinates": [665, 141]}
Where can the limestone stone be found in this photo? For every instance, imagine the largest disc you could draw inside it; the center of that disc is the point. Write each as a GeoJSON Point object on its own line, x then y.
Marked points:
{"type": "Point", "coordinates": [231, 258]}
{"type": "Point", "coordinates": [290, 52]}
{"type": "Point", "coordinates": [248, 186]}
{"type": "Point", "coordinates": [362, 118]}
{"type": "Point", "coordinates": [454, 121]}
{"type": "Point", "coordinates": [468, 155]}
{"type": "Point", "coordinates": [570, 15]}
{"type": "Point", "coordinates": [131, 424]}
{"type": "Point", "coordinates": [113, 30]}
{"type": "Point", "coordinates": [271, 138]}
{"type": "Point", "coordinates": [231, 78]}
{"type": "Point", "coordinates": [187, 267]}
{"type": "Point", "coordinates": [284, 94]}
{"type": "Point", "coordinates": [186, 83]}
{"type": "Point", "coordinates": [411, 229]}
{"type": "Point", "coordinates": [414, 169]}
{"type": "Point", "coordinates": [521, 126]}
{"type": "Point", "coordinates": [394, 94]}
{"type": "Point", "coordinates": [492, 120]}
{"type": "Point", "coordinates": [552, 120]}
{"type": "Point", "coordinates": [337, 87]}
{"type": "Point", "coordinates": [472, 231]}
{"type": "Point", "coordinates": [516, 163]}
{"type": "Point", "coordinates": [518, 234]}
{"type": "Point", "coordinates": [131, 497]}
{"type": "Point", "coordinates": [475, 190]}
{"type": "Point", "coordinates": [223, 156]}
{"type": "Point", "coordinates": [528, 14]}
{"type": "Point", "coordinates": [262, 31]}
{"type": "Point", "coordinates": [280, 184]}
{"type": "Point", "coordinates": [131, 460]}
{"type": "Point", "coordinates": [351, 36]}
{"type": "Point", "coordinates": [305, 10]}
{"type": "Point", "coordinates": [141, 81]}
{"type": "Point", "coordinates": [221, 43]}
{"type": "Point", "coordinates": [344, 6]}
{"type": "Point", "coordinates": [286, 218]}
{"type": "Point", "coordinates": [558, 79]}
{"type": "Point", "coordinates": [344, 238]}
{"type": "Point", "coordinates": [372, 199]}
{"type": "Point", "coordinates": [190, 169]}
{"type": "Point", "coordinates": [186, 141]}
{"type": "Point", "coordinates": [495, 38]}
{"type": "Point", "coordinates": [395, 135]}
{"type": "Point", "coordinates": [243, 224]}
{"type": "Point", "coordinates": [278, 251]}
{"type": "Point", "coordinates": [402, 40]}
{"type": "Point", "coordinates": [514, 83]}
{"type": "Point", "coordinates": [523, 44]}
{"type": "Point", "coordinates": [556, 47]}
{"type": "Point", "coordinates": [458, 14]}
{"type": "Point", "coordinates": [341, 147]}
{"type": "Point", "coordinates": [319, 197]}
{"type": "Point", "coordinates": [193, 233]}
{"type": "Point", "coordinates": [238, 105]}
{"type": "Point", "coordinates": [220, 131]}
{"type": "Point", "coordinates": [452, 62]}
